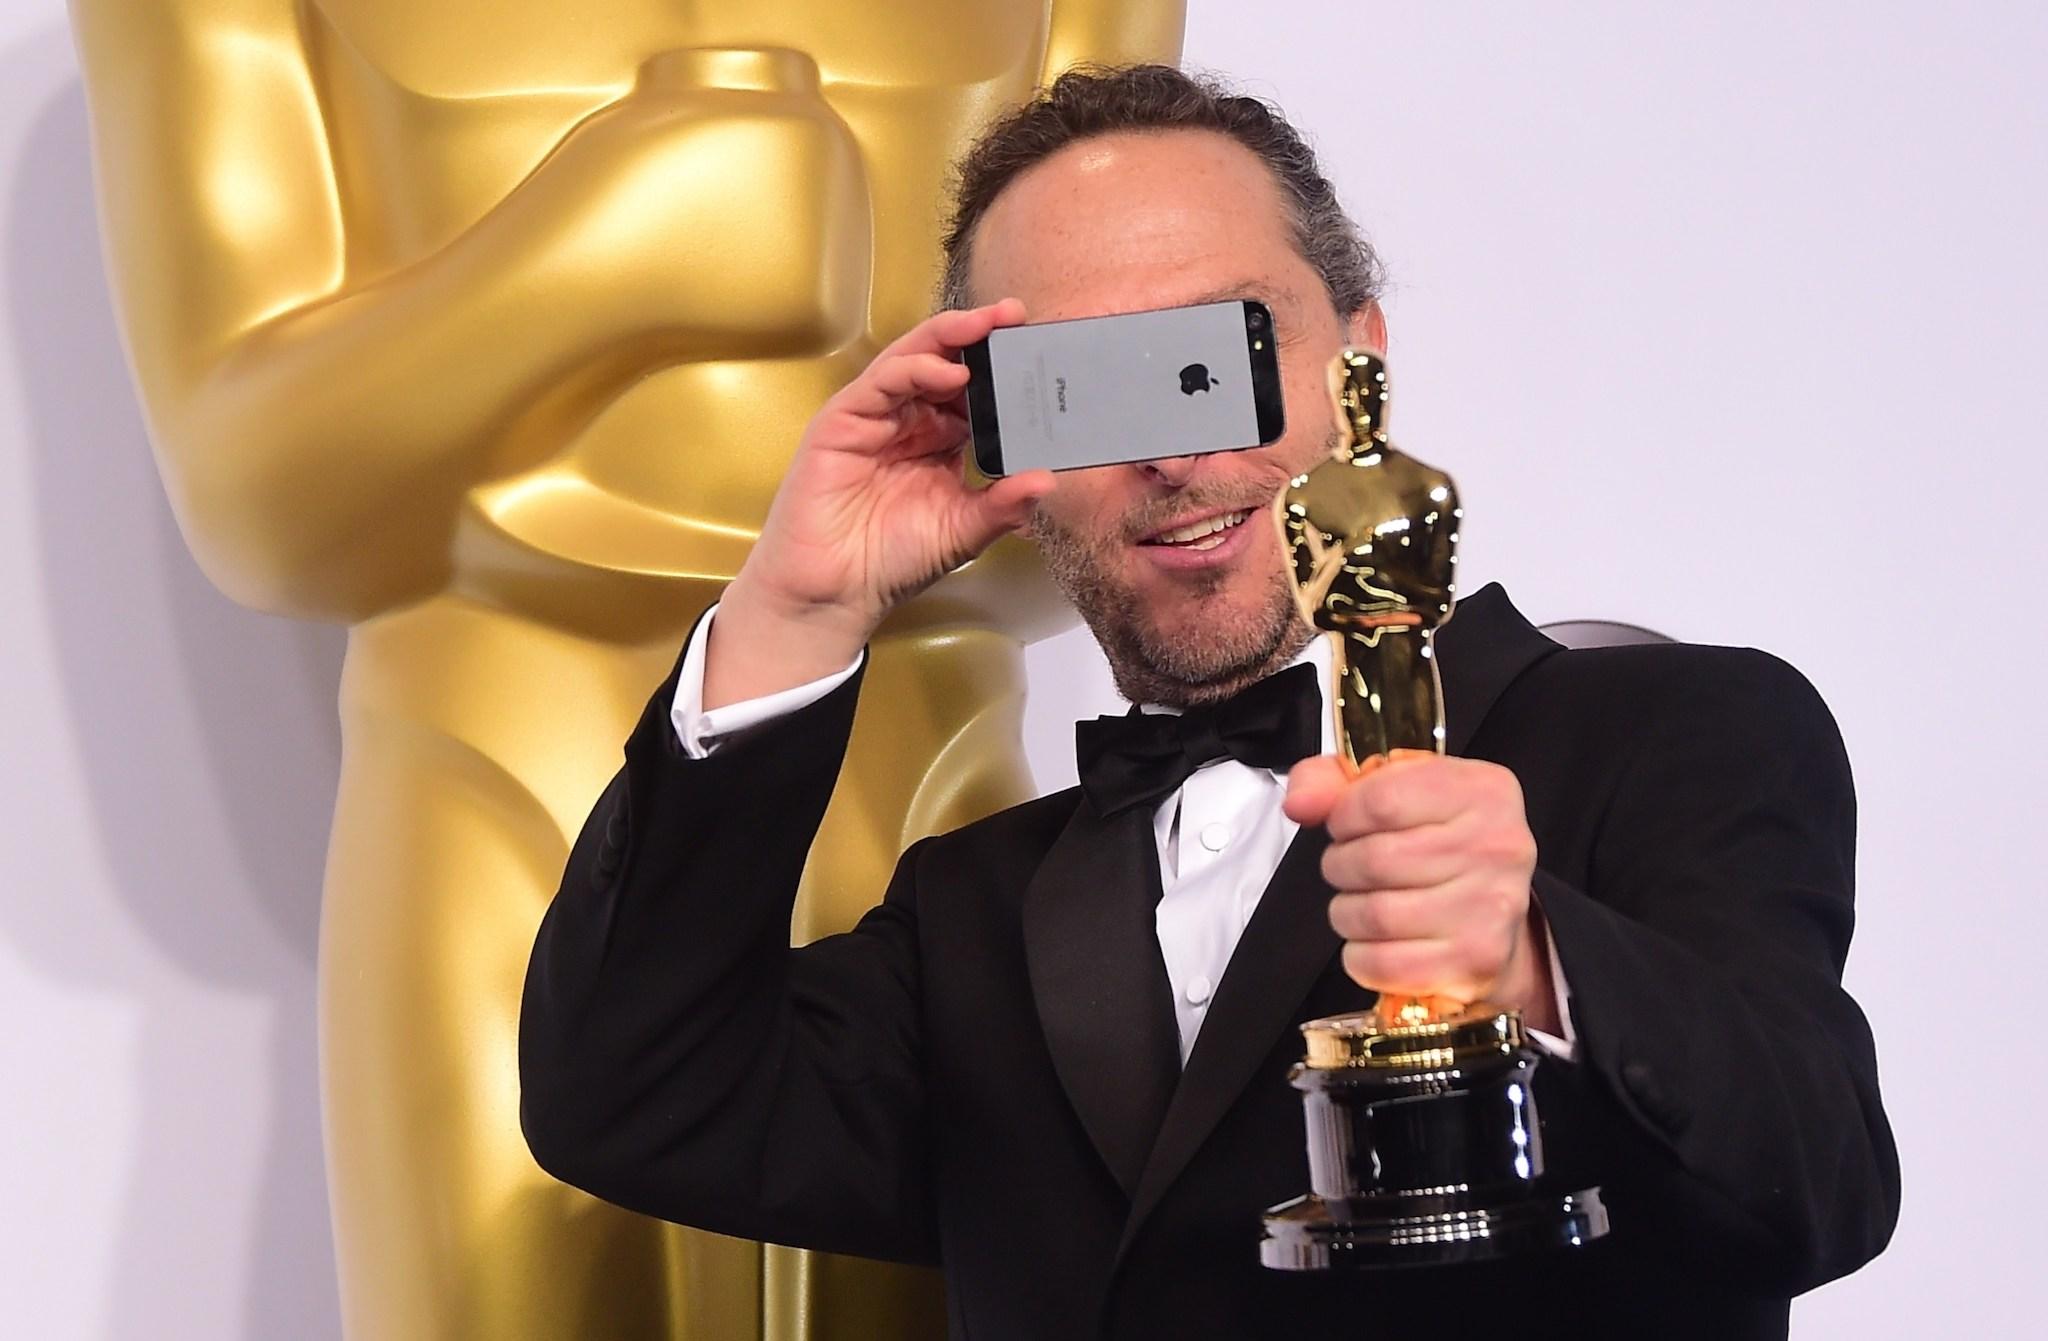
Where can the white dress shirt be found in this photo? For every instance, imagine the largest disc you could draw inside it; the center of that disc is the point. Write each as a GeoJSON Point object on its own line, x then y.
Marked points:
{"type": "Point", "coordinates": [1220, 837]}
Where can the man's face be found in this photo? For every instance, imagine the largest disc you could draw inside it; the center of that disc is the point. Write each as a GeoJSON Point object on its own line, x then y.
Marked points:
{"type": "Point", "coordinates": [1127, 222]}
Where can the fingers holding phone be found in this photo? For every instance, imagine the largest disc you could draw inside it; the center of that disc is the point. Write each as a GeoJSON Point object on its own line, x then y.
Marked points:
{"type": "Point", "coordinates": [875, 507]}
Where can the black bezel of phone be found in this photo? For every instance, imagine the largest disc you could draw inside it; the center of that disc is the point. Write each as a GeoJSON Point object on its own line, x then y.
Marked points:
{"type": "Point", "coordinates": [986, 435]}
{"type": "Point", "coordinates": [1261, 347]}
{"type": "Point", "coordinates": [1262, 343]}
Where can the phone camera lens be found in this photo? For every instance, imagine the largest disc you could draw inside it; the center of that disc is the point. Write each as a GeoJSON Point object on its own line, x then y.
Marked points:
{"type": "Point", "coordinates": [1258, 321]}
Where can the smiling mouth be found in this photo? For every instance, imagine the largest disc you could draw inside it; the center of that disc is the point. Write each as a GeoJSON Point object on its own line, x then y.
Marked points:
{"type": "Point", "coordinates": [1207, 533]}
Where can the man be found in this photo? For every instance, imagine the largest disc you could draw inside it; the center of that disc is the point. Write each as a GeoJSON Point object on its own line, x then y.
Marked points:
{"type": "Point", "coordinates": [1053, 1059]}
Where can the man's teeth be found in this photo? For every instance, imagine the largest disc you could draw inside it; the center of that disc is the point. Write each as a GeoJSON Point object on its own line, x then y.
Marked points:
{"type": "Point", "coordinates": [1205, 534]}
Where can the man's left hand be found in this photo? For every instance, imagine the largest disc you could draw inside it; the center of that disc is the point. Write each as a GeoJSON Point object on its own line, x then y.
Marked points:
{"type": "Point", "coordinates": [1431, 857]}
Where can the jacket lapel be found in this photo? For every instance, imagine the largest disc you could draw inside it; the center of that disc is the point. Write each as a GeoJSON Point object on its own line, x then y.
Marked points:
{"type": "Point", "coordinates": [1285, 948]}
{"type": "Point", "coordinates": [1101, 989]}
{"type": "Point", "coordinates": [1483, 648]}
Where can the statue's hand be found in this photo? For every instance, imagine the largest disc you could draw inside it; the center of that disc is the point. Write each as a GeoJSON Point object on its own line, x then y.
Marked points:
{"type": "Point", "coordinates": [1431, 857]}
{"type": "Point", "coordinates": [727, 221]}
{"type": "Point", "coordinates": [874, 509]}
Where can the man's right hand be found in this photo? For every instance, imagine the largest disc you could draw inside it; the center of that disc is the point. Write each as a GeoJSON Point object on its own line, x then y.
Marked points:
{"type": "Point", "coordinates": [874, 509]}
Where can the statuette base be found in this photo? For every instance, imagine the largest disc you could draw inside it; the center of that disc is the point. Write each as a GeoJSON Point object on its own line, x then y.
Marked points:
{"type": "Point", "coordinates": [1424, 1148]}
{"type": "Point", "coordinates": [1310, 1234]}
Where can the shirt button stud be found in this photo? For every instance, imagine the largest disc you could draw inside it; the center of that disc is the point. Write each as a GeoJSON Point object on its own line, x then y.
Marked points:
{"type": "Point", "coordinates": [1199, 988]}
{"type": "Point", "coordinates": [1215, 836]}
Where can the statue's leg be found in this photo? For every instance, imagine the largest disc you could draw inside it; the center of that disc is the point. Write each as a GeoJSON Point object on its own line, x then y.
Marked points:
{"type": "Point", "coordinates": [1411, 694]}
{"type": "Point", "coordinates": [1354, 664]}
{"type": "Point", "coordinates": [474, 746]}
{"type": "Point", "coordinates": [441, 864]}
{"type": "Point", "coordinates": [1387, 691]}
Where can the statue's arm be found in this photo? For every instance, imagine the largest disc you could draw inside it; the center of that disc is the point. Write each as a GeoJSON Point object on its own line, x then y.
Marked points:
{"type": "Point", "coordinates": [1440, 567]}
{"type": "Point", "coordinates": [318, 428]}
{"type": "Point", "coordinates": [1112, 32]}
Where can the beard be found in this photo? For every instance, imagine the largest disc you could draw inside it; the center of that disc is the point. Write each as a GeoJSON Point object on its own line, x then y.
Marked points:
{"type": "Point", "coordinates": [1207, 647]}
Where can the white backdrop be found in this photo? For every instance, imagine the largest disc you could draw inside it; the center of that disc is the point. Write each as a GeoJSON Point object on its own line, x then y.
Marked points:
{"type": "Point", "coordinates": [1727, 322]}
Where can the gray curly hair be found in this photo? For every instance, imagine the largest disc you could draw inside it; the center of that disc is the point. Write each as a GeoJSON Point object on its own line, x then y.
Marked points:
{"type": "Point", "coordinates": [1097, 100]}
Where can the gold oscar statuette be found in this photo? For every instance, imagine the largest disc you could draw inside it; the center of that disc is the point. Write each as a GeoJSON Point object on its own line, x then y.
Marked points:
{"type": "Point", "coordinates": [1424, 1144]}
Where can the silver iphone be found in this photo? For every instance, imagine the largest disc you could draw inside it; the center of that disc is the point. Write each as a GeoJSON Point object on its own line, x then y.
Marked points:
{"type": "Point", "coordinates": [1176, 381]}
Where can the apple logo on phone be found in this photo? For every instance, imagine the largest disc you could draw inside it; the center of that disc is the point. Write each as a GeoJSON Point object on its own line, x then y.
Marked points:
{"type": "Point", "coordinates": [1195, 377]}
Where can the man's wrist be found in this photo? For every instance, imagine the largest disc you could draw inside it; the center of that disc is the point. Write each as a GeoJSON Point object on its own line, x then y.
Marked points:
{"type": "Point", "coordinates": [761, 645]}
{"type": "Point", "coordinates": [1533, 991]}
{"type": "Point", "coordinates": [700, 732]}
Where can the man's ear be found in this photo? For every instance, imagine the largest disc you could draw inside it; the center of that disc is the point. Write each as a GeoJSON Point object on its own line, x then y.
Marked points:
{"type": "Point", "coordinates": [1367, 328]}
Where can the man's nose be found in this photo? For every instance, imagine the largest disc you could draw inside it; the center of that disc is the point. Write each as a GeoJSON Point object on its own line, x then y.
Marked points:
{"type": "Point", "coordinates": [1170, 470]}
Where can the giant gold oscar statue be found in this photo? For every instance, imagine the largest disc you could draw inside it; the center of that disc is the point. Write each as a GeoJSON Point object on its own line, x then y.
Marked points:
{"type": "Point", "coordinates": [487, 327]}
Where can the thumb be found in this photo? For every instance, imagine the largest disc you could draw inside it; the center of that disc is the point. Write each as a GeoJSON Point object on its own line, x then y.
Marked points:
{"type": "Point", "coordinates": [1313, 786]}
{"type": "Point", "coordinates": [1001, 508]}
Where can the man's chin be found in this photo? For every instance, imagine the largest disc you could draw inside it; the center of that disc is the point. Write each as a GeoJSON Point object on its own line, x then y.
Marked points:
{"type": "Point", "coordinates": [1202, 658]}
{"type": "Point", "coordinates": [1220, 615]}
{"type": "Point", "coordinates": [1178, 638]}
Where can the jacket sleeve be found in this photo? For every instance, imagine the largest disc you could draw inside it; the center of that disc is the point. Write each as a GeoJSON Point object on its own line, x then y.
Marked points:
{"type": "Point", "coordinates": [676, 1056]}
{"type": "Point", "coordinates": [1705, 962]}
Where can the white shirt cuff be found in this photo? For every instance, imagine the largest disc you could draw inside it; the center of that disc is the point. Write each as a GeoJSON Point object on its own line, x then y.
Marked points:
{"type": "Point", "coordinates": [1564, 1048]}
{"type": "Point", "coordinates": [700, 732]}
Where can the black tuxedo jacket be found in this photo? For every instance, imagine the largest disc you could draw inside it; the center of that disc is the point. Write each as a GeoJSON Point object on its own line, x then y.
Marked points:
{"type": "Point", "coordinates": [984, 1073]}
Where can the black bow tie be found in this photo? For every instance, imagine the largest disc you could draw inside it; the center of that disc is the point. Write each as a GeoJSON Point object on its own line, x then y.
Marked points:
{"type": "Point", "coordinates": [1141, 758]}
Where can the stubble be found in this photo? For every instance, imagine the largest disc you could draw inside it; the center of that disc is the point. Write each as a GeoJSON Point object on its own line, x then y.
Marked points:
{"type": "Point", "coordinates": [1205, 648]}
